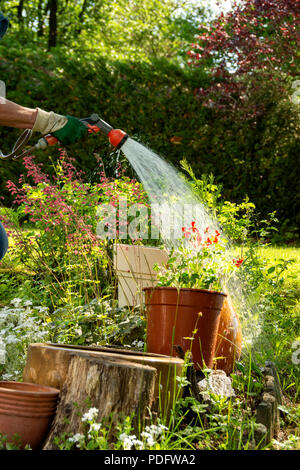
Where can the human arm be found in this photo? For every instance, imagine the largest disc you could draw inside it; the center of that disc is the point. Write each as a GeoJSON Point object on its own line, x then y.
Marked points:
{"type": "Point", "coordinates": [67, 129]}
{"type": "Point", "coordinates": [14, 115]}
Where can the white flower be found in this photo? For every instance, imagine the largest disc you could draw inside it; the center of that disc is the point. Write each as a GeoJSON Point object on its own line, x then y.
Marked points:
{"type": "Point", "coordinates": [138, 344]}
{"type": "Point", "coordinates": [16, 302]}
{"type": "Point", "coordinates": [95, 427]}
{"type": "Point", "coordinates": [11, 339]}
{"type": "Point", "coordinates": [90, 415]}
{"type": "Point", "coordinates": [78, 331]}
{"type": "Point", "coordinates": [149, 438]}
{"type": "Point", "coordinates": [138, 444]}
{"type": "Point", "coordinates": [127, 442]}
{"type": "Point", "coordinates": [182, 381]}
{"type": "Point", "coordinates": [156, 430]}
{"type": "Point", "coordinates": [76, 439]}
{"type": "Point", "coordinates": [130, 441]}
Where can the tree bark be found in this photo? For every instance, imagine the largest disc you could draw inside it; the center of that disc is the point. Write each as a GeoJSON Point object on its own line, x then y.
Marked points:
{"type": "Point", "coordinates": [40, 31]}
{"type": "Point", "coordinates": [20, 13]}
{"type": "Point", "coordinates": [115, 387]}
{"type": "Point", "coordinates": [52, 39]}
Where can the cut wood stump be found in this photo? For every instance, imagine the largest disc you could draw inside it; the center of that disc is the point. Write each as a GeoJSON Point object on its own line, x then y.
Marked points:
{"type": "Point", "coordinates": [48, 364]}
{"type": "Point", "coordinates": [115, 387]}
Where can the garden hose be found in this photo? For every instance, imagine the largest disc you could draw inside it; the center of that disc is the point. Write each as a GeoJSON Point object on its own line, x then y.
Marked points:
{"type": "Point", "coordinates": [18, 149]}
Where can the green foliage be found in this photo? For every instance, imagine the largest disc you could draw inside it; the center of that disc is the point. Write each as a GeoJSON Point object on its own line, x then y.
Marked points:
{"type": "Point", "coordinates": [15, 444]}
{"type": "Point", "coordinates": [99, 322]}
{"type": "Point", "coordinates": [199, 262]}
{"type": "Point", "coordinates": [154, 102]}
{"type": "Point", "coordinates": [54, 230]}
{"type": "Point", "coordinates": [116, 28]}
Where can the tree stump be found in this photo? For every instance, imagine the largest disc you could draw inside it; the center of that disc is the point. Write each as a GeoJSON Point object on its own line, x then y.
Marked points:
{"type": "Point", "coordinates": [114, 387]}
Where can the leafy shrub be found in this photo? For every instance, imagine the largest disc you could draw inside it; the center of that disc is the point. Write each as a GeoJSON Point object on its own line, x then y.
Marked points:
{"type": "Point", "coordinates": [54, 229]}
{"type": "Point", "coordinates": [99, 322]}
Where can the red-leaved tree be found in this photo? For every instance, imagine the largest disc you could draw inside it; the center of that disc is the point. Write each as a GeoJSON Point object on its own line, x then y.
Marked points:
{"type": "Point", "coordinates": [253, 52]}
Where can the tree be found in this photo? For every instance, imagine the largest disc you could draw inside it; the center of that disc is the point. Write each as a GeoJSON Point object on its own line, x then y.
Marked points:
{"type": "Point", "coordinates": [52, 5]}
{"type": "Point", "coordinates": [253, 52]}
{"type": "Point", "coordinates": [117, 28]}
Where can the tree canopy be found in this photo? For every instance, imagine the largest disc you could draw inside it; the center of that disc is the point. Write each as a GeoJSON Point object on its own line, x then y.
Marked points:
{"type": "Point", "coordinates": [115, 27]}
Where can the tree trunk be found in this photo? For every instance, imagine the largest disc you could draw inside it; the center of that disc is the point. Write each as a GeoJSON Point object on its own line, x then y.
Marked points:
{"type": "Point", "coordinates": [40, 31]}
{"type": "Point", "coordinates": [20, 14]}
{"type": "Point", "coordinates": [52, 39]}
{"type": "Point", "coordinates": [81, 15]}
{"type": "Point", "coordinates": [115, 387]}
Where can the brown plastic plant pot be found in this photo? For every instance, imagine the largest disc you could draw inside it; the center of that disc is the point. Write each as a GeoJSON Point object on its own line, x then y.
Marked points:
{"type": "Point", "coordinates": [229, 338]}
{"type": "Point", "coordinates": [23, 415]}
{"type": "Point", "coordinates": [185, 317]}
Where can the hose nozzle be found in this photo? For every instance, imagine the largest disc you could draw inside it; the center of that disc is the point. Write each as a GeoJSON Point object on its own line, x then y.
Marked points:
{"type": "Point", "coordinates": [116, 137]}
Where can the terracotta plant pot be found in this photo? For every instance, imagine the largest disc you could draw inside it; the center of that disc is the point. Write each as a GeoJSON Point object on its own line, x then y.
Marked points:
{"type": "Point", "coordinates": [229, 339]}
{"type": "Point", "coordinates": [26, 410]}
{"type": "Point", "coordinates": [186, 317]}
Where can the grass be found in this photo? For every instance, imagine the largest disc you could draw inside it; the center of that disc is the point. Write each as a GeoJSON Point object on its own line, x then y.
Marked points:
{"type": "Point", "coordinates": [274, 254]}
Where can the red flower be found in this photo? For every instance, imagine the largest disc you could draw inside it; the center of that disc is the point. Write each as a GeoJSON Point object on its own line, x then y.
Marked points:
{"type": "Point", "coordinates": [187, 234]}
{"type": "Point", "coordinates": [194, 228]}
{"type": "Point", "coordinates": [238, 262]}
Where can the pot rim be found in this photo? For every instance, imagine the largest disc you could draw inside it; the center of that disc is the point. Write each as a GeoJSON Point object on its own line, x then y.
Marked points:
{"type": "Point", "coordinates": [16, 413]}
{"type": "Point", "coordinates": [185, 289]}
{"type": "Point", "coordinates": [42, 390]}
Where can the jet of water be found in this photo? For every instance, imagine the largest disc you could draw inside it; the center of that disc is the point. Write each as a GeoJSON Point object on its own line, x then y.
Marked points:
{"type": "Point", "coordinates": [179, 205]}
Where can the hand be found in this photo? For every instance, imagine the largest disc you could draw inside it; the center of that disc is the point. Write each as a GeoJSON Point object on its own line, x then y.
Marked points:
{"type": "Point", "coordinates": [66, 129]}
{"type": "Point", "coordinates": [72, 131]}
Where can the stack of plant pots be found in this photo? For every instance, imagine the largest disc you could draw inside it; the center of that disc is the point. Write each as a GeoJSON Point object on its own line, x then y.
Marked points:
{"type": "Point", "coordinates": [26, 412]}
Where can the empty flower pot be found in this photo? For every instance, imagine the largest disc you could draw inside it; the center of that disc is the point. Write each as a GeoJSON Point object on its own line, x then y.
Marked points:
{"type": "Point", "coordinates": [188, 318]}
{"type": "Point", "coordinates": [26, 410]}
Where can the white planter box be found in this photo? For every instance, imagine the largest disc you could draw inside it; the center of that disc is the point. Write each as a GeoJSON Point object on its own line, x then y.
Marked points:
{"type": "Point", "coordinates": [134, 269]}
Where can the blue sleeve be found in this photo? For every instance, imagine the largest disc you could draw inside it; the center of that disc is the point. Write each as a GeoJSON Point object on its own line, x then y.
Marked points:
{"type": "Point", "coordinates": [3, 241]}
{"type": "Point", "coordinates": [3, 25]}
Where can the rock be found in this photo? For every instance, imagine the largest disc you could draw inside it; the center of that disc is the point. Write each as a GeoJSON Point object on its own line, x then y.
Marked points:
{"type": "Point", "coordinates": [217, 383]}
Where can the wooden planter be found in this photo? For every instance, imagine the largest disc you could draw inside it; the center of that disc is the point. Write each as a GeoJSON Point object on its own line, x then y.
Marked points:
{"type": "Point", "coordinates": [134, 268]}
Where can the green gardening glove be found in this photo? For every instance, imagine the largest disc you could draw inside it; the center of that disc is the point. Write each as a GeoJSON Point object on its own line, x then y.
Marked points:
{"type": "Point", "coordinates": [72, 131]}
